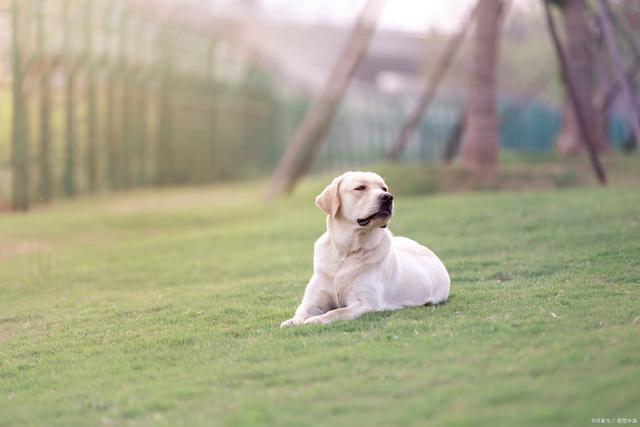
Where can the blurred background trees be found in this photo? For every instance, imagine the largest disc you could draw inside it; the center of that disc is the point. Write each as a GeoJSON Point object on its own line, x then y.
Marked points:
{"type": "Point", "coordinates": [102, 95]}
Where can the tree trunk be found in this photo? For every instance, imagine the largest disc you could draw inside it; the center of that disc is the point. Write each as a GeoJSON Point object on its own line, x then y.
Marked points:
{"type": "Point", "coordinates": [480, 143]}
{"type": "Point", "coordinates": [581, 62]}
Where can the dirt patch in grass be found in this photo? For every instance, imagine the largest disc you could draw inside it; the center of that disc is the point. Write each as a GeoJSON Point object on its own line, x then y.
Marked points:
{"type": "Point", "coordinates": [9, 326]}
{"type": "Point", "coordinates": [14, 325]}
{"type": "Point", "coordinates": [11, 248]}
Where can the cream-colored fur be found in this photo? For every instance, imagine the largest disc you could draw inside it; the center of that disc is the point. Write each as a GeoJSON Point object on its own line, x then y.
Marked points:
{"type": "Point", "coordinates": [359, 266]}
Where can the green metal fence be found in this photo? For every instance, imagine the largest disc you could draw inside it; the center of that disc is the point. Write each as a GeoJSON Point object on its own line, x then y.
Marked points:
{"type": "Point", "coordinates": [101, 96]}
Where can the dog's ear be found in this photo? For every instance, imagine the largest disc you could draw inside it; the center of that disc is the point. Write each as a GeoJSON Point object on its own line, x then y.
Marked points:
{"type": "Point", "coordinates": [329, 200]}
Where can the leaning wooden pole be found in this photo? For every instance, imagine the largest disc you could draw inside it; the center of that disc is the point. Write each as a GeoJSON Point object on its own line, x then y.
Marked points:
{"type": "Point", "coordinates": [614, 88]}
{"type": "Point", "coordinates": [455, 138]}
{"type": "Point", "coordinates": [431, 88]}
{"type": "Point", "coordinates": [316, 122]}
{"type": "Point", "coordinates": [632, 109]}
{"type": "Point", "coordinates": [578, 109]}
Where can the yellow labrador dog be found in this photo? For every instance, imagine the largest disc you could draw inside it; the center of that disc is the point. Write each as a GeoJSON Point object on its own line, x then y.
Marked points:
{"type": "Point", "coordinates": [358, 265]}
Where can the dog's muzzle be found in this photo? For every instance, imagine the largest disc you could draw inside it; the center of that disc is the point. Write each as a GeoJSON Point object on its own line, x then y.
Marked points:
{"type": "Point", "coordinates": [386, 207]}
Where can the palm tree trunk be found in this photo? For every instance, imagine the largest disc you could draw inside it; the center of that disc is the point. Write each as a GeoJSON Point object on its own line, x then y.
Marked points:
{"type": "Point", "coordinates": [581, 63]}
{"type": "Point", "coordinates": [480, 143]}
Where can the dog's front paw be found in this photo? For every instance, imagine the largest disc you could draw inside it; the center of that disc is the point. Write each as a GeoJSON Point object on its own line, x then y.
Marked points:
{"type": "Point", "coordinates": [290, 322]}
{"type": "Point", "coordinates": [318, 320]}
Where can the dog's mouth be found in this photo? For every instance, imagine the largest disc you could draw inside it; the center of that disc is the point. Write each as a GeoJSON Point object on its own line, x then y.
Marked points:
{"type": "Point", "coordinates": [384, 213]}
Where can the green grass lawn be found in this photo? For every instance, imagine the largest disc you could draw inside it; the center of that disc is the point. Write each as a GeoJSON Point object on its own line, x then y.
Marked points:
{"type": "Point", "coordinates": [163, 308]}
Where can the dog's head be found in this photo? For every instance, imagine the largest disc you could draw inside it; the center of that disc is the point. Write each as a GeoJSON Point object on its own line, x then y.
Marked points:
{"type": "Point", "coordinates": [361, 198]}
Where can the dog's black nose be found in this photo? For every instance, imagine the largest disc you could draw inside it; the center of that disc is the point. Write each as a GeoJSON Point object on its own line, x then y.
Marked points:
{"type": "Point", "coordinates": [386, 197]}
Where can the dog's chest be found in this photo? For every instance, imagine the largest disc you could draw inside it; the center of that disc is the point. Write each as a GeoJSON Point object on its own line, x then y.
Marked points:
{"type": "Point", "coordinates": [344, 272]}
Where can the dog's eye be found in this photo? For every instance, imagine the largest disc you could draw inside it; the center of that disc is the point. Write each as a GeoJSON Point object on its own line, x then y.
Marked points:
{"type": "Point", "coordinates": [360, 188]}
{"type": "Point", "coordinates": [385, 189]}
